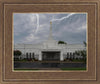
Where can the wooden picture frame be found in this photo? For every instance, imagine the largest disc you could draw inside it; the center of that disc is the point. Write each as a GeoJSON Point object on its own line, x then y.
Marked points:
{"type": "Point", "coordinates": [91, 75]}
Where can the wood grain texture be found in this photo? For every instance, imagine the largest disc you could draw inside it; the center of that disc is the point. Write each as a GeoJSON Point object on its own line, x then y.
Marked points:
{"type": "Point", "coordinates": [8, 7]}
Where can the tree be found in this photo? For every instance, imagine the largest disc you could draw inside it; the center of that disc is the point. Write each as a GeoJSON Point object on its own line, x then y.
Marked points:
{"type": "Point", "coordinates": [61, 42]}
{"type": "Point", "coordinates": [83, 53]}
{"type": "Point", "coordinates": [84, 43]}
{"type": "Point", "coordinates": [17, 53]}
{"type": "Point", "coordinates": [77, 53]}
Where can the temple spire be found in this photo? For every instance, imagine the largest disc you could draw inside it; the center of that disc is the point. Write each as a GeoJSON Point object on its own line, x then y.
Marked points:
{"type": "Point", "coordinates": [50, 32]}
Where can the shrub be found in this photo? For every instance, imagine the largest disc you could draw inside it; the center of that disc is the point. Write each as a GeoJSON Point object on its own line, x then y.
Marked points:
{"type": "Point", "coordinates": [17, 53]}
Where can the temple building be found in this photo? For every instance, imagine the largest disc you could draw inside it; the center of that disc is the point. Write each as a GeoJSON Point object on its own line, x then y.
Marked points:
{"type": "Point", "coordinates": [49, 49]}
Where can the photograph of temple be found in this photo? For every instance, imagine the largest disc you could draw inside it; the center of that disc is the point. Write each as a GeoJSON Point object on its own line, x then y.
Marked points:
{"type": "Point", "coordinates": [49, 49]}
{"type": "Point", "coordinates": [50, 53]}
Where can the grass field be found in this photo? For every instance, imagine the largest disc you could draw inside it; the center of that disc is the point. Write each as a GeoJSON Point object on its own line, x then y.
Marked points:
{"type": "Point", "coordinates": [73, 68]}
{"type": "Point", "coordinates": [25, 69]}
{"type": "Point", "coordinates": [60, 69]}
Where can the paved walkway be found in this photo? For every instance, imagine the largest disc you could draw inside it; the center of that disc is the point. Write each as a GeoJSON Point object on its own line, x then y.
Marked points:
{"type": "Point", "coordinates": [47, 65]}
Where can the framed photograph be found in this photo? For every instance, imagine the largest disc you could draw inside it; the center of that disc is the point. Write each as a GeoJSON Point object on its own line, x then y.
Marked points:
{"type": "Point", "coordinates": [49, 42]}
{"type": "Point", "coordinates": [54, 46]}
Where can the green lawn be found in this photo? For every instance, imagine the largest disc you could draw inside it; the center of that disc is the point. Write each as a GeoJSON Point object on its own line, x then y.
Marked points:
{"type": "Point", "coordinates": [73, 68]}
{"type": "Point", "coordinates": [75, 60]}
{"type": "Point", "coordinates": [25, 69]}
{"type": "Point", "coordinates": [61, 69]}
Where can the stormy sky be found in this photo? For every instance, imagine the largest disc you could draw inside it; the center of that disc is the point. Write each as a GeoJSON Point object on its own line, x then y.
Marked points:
{"type": "Point", "coordinates": [32, 28]}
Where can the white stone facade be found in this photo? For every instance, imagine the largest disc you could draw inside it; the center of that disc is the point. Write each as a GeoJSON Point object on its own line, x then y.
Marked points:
{"type": "Point", "coordinates": [37, 49]}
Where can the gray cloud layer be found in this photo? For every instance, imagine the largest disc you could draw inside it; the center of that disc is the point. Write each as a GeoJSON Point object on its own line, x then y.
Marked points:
{"type": "Point", "coordinates": [66, 27]}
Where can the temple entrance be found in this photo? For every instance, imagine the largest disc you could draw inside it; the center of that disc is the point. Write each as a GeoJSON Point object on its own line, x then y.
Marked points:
{"type": "Point", "coordinates": [51, 55]}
